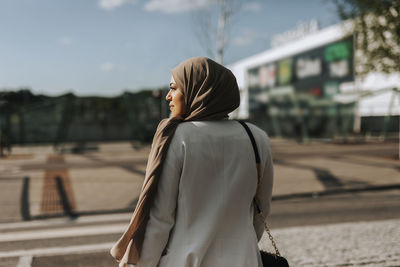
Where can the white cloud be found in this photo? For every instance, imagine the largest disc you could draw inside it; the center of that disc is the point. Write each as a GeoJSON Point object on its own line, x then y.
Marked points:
{"type": "Point", "coordinates": [111, 4]}
{"type": "Point", "coordinates": [109, 67]}
{"type": "Point", "coordinates": [65, 40]}
{"type": "Point", "coordinates": [176, 6]}
{"type": "Point", "coordinates": [252, 6]}
{"type": "Point", "coordinates": [249, 36]}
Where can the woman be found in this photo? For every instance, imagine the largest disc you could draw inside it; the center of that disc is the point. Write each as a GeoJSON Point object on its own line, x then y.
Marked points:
{"type": "Point", "coordinates": [196, 205]}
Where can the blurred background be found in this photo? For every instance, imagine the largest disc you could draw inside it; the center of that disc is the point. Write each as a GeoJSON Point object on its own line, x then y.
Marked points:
{"type": "Point", "coordinates": [82, 90]}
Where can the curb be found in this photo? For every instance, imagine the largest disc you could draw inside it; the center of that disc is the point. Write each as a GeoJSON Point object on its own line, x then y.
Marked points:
{"type": "Point", "coordinates": [337, 191]}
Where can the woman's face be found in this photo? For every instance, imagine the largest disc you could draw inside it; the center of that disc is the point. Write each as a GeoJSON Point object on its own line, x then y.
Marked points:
{"type": "Point", "coordinates": [176, 100]}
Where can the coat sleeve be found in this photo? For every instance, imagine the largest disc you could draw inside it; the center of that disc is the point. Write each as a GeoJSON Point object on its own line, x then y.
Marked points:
{"type": "Point", "coordinates": [162, 213]}
{"type": "Point", "coordinates": [266, 183]}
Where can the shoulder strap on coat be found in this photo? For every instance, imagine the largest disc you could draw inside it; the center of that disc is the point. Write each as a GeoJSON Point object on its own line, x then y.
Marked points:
{"type": "Point", "coordinates": [253, 141]}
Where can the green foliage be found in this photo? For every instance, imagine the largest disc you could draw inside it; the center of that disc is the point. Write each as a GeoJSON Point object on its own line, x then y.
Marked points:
{"type": "Point", "coordinates": [36, 118]}
{"type": "Point", "coordinates": [11, 101]}
{"type": "Point", "coordinates": [377, 27]}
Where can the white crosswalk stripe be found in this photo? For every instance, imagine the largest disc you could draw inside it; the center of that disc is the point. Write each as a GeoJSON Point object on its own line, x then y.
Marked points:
{"type": "Point", "coordinates": [64, 221]}
{"type": "Point", "coordinates": [25, 261]}
{"type": "Point", "coordinates": [63, 232]}
{"type": "Point", "coordinates": [56, 237]}
{"type": "Point", "coordinates": [79, 249]}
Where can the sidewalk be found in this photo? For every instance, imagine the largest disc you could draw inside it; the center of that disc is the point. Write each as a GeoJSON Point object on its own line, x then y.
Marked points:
{"type": "Point", "coordinates": [108, 177]}
{"type": "Point", "coordinates": [321, 167]}
{"type": "Point", "coordinates": [373, 243]}
{"type": "Point", "coordinates": [367, 244]}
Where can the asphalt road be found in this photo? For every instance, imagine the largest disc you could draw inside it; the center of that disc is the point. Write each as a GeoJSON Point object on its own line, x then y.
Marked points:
{"type": "Point", "coordinates": [349, 207]}
{"type": "Point", "coordinates": [85, 241]}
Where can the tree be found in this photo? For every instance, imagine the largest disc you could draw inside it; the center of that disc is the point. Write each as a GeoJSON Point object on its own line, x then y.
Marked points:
{"type": "Point", "coordinates": [213, 26]}
{"type": "Point", "coordinates": [376, 24]}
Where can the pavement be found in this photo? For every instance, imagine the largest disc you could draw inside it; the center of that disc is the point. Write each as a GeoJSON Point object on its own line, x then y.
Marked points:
{"type": "Point", "coordinates": [367, 244]}
{"type": "Point", "coordinates": [33, 244]}
{"type": "Point", "coordinates": [42, 192]}
{"type": "Point", "coordinates": [107, 177]}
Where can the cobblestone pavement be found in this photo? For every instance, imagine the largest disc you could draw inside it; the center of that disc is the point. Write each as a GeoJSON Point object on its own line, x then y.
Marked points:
{"type": "Point", "coordinates": [369, 244]}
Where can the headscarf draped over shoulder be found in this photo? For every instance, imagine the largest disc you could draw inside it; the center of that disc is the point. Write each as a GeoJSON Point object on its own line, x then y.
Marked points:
{"type": "Point", "coordinates": [211, 92]}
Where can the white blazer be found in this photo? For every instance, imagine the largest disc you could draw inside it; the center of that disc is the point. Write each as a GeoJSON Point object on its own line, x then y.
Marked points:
{"type": "Point", "coordinates": [203, 213]}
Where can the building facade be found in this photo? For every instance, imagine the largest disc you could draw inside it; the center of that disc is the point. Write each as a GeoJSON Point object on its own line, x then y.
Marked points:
{"type": "Point", "coordinates": [307, 87]}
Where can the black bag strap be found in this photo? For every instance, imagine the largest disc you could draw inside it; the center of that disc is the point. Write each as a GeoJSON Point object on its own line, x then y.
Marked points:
{"type": "Point", "coordinates": [257, 156]}
{"type": "Point", "coordinates": [253, 141]}
{"type": "Point", "coordinates": [255, 200]}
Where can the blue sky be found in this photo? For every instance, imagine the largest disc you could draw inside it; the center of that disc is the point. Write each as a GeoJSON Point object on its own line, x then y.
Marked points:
{"type": "Point", "coordinates": [104, 47]}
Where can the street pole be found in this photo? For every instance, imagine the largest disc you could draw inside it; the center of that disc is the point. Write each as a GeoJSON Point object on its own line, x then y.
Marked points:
{"type": "Point", "coordinates": [357, 82]}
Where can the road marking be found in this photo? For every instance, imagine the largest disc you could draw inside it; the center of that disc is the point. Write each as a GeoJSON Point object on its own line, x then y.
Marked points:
{"type": "Point", "coordinates": [81, 249]}
{"type": "Point", "coordinates": [66, 221]}
{"type": "Point", "coordinates": [52, 201]}
{"type": "Point", "coordinates": [25, 261]}
{"type": "Point", "coordinates": [63, 232]}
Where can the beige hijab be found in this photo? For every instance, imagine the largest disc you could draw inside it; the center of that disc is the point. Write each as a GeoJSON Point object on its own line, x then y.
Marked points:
{"type": "Point", "coordinates": [210, 92]}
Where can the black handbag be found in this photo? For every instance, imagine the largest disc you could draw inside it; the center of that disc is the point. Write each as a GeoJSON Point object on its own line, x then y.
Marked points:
{"type": "Point", "coordinates": [273, 260]}
{"type": "Point", "coordinates": [268, 259]}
